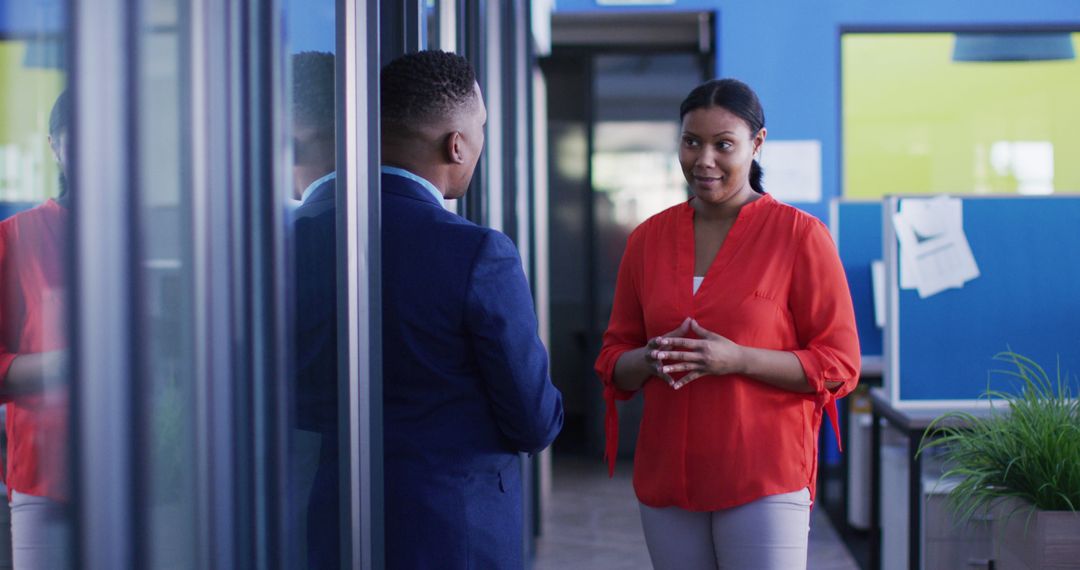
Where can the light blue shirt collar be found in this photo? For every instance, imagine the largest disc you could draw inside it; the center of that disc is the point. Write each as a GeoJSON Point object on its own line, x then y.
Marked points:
{"type": "Point", "coordinates": [311, 187]}
{"type": "Point", "coordinates": [406, 174]}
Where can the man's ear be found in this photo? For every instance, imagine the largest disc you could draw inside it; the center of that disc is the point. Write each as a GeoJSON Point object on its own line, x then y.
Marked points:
{"type": "Point", "coordinates": [455, 148]}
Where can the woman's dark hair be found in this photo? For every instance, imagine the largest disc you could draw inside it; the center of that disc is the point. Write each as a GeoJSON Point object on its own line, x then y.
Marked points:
{"type": "Point", "coordinates": [60, 117]}
{"type": "Point", "coordinates": [738, 98]}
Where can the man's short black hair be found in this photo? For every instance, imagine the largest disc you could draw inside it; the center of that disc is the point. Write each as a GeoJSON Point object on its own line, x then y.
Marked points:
{"type": "Point", "coordinates": [313, 90]}
{"type": "Point", "coordinates": [60, 117]}
{"type": "Point", "coordinates": [423, 87]}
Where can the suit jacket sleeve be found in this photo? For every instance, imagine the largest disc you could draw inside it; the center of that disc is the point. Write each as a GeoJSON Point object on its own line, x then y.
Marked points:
{"type": "Point", "coordinates": [513, 362]}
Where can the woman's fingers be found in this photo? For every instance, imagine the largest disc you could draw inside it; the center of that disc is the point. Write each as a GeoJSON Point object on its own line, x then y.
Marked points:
{"type": "Point", "coordinates": [683, 343]}
{"type": "Point", "coordinates": [658, 366]}
{"type": "Point", "coordinates": [679, 355]}
{"type": "Point", "coordinates": [687, 379]}
{"type": "Point", "coordinates": [681, 367]}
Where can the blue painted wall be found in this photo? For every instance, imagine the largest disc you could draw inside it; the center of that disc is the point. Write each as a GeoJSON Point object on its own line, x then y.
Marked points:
{"type": "Point", "coordinates": [789, 52]}
{"type": "Point", "coordinates": [8, 209]}
{"type": "Point", "coordinates": [309, 25]}
{"type": "Point", "coordinates": [31, 18]}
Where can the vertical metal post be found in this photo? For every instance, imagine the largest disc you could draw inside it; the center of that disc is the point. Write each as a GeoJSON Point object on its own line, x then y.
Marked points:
{"type": "Point", "coordinates": [914, 498]}
{"type": "Point", "coordinates": [875, 488]}
{"type": "Point", "coordinates": [213, 61]}
{"type": "Point", "coordinates": [271, 177]}
{"type": "Point", "coordinates": [474, 45]}
{"type": "Point", "coordinates": [104, 164]}
{"type": "Point", "coordinates": [400, 28]}
{"type": "Point", "coordinates": [358, 215]}
{"type": "Point", "coordinates": [491, 83]}
{"type": "Point", "coordinates": [448, 39]}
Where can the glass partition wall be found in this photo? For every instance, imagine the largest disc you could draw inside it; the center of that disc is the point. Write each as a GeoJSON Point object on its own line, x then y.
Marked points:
{"type": "Point", "coordinates": [154, 292]}
{"type": "Point", "coordinates": [189, 297]}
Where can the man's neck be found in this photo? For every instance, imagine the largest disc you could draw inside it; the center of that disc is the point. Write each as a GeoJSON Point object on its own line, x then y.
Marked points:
{"type": "Point", "coordinates": [432, 175]}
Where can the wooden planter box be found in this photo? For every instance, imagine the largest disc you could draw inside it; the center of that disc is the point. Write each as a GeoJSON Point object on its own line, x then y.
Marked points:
{"type": "Point", "coordinates": [1051, 540]}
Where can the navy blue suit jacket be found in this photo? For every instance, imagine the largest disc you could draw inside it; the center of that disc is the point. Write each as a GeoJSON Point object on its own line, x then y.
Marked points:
{"type": "Point", "coordinates": [465, 386]}
{"type": "Point", "coordinates": [316, 310]}
{"type": "Point", "coordinates": [317, 365]}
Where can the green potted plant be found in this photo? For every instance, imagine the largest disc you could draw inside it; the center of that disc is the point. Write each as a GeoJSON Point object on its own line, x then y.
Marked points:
{"type": "Point", "coordinates": [1020, 464]}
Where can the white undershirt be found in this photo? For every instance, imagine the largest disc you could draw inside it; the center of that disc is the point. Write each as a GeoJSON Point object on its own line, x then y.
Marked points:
{"type": "Point", "coordinates": [697, 282]}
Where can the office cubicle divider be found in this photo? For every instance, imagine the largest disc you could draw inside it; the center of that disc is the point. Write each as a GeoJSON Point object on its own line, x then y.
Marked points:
{"type": "Point", "coordinates": [856, 229]}
{"type": "Point", "coordinates": [939, 349]}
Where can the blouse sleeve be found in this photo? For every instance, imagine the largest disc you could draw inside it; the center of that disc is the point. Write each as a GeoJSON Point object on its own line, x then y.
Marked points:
{"type": "Point", "coordinates": [7, 308]}
{"type": "Point", "coordinates": [625, 331]}
{"type": "Point", "coordinates": [824, 319]}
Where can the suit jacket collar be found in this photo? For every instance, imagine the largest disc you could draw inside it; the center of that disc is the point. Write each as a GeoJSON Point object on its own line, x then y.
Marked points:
{"type": "Point", "coordinates": [324, 191]}
{"type": "Point", "coordinates": [402, 186]}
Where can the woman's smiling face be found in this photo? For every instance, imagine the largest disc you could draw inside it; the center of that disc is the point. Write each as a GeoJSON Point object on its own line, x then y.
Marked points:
{"type": "Point", "coordinates": [716, 150]}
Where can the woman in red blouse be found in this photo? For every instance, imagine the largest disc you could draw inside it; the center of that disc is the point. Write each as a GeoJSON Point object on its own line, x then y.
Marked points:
{"type": "Point", "coordinates": [733, 317]}
{"type": "Point", "coordinates": [33, 367]}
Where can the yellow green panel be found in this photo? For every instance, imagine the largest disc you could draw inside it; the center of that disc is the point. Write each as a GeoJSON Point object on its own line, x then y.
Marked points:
{"type": "Point", "coordinates": [917, 122]}
{"type": "Point", "coordinates": [27, 168]}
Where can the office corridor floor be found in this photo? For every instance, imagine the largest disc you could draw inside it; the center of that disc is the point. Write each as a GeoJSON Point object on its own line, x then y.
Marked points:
{"type": "Point", "coordinates": [593, 524]}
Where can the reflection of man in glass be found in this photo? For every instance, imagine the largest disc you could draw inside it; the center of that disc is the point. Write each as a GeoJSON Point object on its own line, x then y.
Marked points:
{"type": "Point", "coordinates": [316, 292]}
{"type": "Point", "coordinates": [32, 365]}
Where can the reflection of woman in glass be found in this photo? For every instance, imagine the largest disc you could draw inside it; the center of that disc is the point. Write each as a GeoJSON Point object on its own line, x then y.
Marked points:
{"type": "Point", "coordinates": [33, 368]}
{"type": "Point", "coordinates": [732, 315]}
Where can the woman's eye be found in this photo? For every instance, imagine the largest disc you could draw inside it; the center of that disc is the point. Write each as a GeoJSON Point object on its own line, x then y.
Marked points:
{"type": "Point", "coordinates": [689, 142]}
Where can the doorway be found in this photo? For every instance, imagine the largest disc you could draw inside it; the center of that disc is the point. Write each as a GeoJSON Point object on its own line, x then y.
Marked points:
{"type": "Point", "coordinates": [614, 83]}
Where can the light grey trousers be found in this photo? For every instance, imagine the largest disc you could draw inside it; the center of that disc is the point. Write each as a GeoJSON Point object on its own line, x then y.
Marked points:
{"type": "Point", "coordinates": [770, 533]}
{"type": "Point", "coordinates": [39, 533]}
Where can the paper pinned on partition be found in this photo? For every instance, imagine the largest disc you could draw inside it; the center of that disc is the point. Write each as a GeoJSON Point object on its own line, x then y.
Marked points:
{"type": "Point", "coordinates": [877, 285]}
{"type": "Point", "coordinates": [934, 251]}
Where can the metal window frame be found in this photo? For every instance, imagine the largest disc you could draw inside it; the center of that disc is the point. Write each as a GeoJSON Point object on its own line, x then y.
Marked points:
{"type": "Point", "coordinates": [239, 258]}
{"type": "Point", "coordinates": [214, 59]}
{"type": "Point", "coordinates": [239, 255]}
{"type": "Point", "coordinates": [102, 283]}
{"type": "Point", "coordinates": [235, 104]}
{"type": "Point", "coordinates": [473, 46]}
{"type": "Point", "coordinates": [359, 286]}
{"type": "Point", "coordinates": [401, 28]}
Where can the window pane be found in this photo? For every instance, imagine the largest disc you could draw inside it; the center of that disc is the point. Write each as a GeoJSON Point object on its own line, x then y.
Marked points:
{"type": "Point", "coordinates": [35, 211]}
{"type": "Point", "coordinates": [921, 117]}
{"type": "Point", "coordinates": [315, 503]}
{"type": "Point", "coordinates": [429, 31]}
{"type": "Point", "coordinates": [166, 383]}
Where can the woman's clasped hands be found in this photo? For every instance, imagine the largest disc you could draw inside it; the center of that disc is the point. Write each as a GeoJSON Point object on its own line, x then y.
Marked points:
{"type": "Point", "coordinates": [709, 354]}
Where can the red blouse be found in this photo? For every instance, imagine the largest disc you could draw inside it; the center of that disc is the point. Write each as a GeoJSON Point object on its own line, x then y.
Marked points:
{"type": "Point", "coordinates": [776, 283]}
{"type": "Point", "coordinates": [31, 320]}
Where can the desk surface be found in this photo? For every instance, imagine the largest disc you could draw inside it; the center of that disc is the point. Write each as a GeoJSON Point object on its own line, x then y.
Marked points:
{"type": "Point", "coordinates": [872, 365]}
{"type": "Point", "coordinates": [919, 419]}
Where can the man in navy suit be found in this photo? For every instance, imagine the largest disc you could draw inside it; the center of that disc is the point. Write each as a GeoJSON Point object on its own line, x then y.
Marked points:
{"type": "Point", "coordinates": [465, 376]}
{"type": "Point", "coordinates": [316, 295]}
